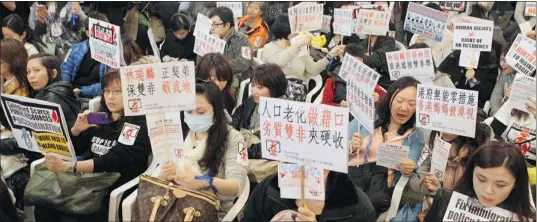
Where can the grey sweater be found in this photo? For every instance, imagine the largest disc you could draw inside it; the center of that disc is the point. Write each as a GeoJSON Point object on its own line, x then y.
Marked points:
{"type": "Point", "coordinates": [496, 99]}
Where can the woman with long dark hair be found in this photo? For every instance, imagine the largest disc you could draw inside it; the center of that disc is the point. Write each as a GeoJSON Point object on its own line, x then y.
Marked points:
{"type": "Point", "coordinates": [215, 67]}
{"type": "Point", "coordinates": [13, 26]}
{"type": "Point", "coordinates": [13, 59]}
{"type": "Point", "coordinates": [495, 175]}
{"type": "Point", "coordinates": [211, 148]}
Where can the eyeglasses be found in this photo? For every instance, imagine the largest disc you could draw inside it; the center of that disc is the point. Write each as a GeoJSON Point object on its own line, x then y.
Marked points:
{"type": "Point", "coordinates": [214, 25]}
{"type": "Point", "coordinates": [114, 92]}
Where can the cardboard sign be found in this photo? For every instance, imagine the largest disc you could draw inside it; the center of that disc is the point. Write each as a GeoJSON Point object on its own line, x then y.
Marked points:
{"type": "Point", "coordinates": [155, 88]}
{"type": "Point", "coordinates": [452, 6]}
{"type": "Point", "coordinates": [236, 7]}
{"type": "Point", "coordinates": [156, 51]}
{"type": "Point", "coordinates": [444, 109]}
{"type": "Point", "coordinates": [105, 43]}
{"type": "Point", "coordinates": [38, 126]}
{"type": "Point", "coordinates": [203, 25]}
{"type": "Point", "coordinates": [166, 135]}
{"type": "Point", "coordinates": [439, 158]}
{"type": "Point", "coordinates": [530, 9]}
{"type": "Point", "coordinates": [417, 63]}
{"type": "Point", "coordinates": [343, 21]}
{"type": "Point", "coordinates": [289, 181]}
{"type": "Point", "coordinates": [390, 156]}
{"type": "Point", "coordinates": [304, 133]}
{"type": "Point", "coordinates": [425, 21]}
{"type": "Point", "coordinates": [326, 23]}
{"type": "Point", "coordinates": [372, 22]}
{"type": "Point", "coordinates": [477, 37]}
{"type": "Point", "coordinates": [306, 18]}
{"type": "Point", "coordinates": [523, 87]}
{"type": "Point", "coordinates": [464, 208]}
{"type": "Point", "coordinates": [521, 55]}
{"type": "Point", "coordinates": [469, 58]}
{"type": "Point", "coordinates": [206, 43]}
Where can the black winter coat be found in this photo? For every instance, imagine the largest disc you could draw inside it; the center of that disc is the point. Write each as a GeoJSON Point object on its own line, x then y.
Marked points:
{"type": "Point", "coordinates": [377, 58]}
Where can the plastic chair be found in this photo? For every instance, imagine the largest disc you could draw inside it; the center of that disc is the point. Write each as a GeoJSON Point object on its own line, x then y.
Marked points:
{"type": "Point", "coordinates": [486, 108]}
{"type": "Point", "coordinates": [318, 86]}
{"type": "Point", "coordinates": [128, 203]}
{"type": "Point", "coordinates": [319, 98]}
{"type": "Point", "coordinates": [399, 46]}
{"type": "Point", "coordinates": [94, 104]}
{"type": "Point", "coordinates": [242, 87]}
{"type": "Point", "coordinates": [259, 51]}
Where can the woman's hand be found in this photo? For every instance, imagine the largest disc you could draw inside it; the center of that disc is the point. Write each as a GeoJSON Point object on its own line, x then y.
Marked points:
{"type": "Point", "coordinates": [470, 74]}
{"type": "Point", "coordinates": [42, 13]}
{"type": "Point", "coordinates": [337, 50]}
{"type": "Point", "coordinates": [531, 107]}
{"type": "Point", "coordinates": [506, 91]}
{"type": "Point", "coordinates": [56, 164]}
{"type": "Point", "coordinates": [407, 166]}
{"type": "Point", "coordinates": [168, 171]}
{"type": "Point", "coordinates": [344, 104]}
{"type": "Point", "coordinates": [305, 214]}
{"type": "Point", "coordinates": [531, 34]}
{"type": "Point", "coordinates": [187, 180]}
{"type": "Point", "coordinates": [356, 142]}
{"type": "Point", "coordinates": [303, 39]}
{"type": "Point", "coordinates": [81, 123]}
{"type": "Point", "coordinates": [376, 97]}
{"type": "Point", "coordinates": [430, 183]}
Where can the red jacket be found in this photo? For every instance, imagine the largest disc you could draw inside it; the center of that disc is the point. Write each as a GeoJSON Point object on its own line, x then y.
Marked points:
{"type": "Point", "coordinates": [329, 96]}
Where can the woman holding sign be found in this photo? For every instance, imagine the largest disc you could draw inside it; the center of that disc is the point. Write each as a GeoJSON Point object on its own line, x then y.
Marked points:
{"type": "Point", "coordinates": [117, 143]}
{"type": "Point", "coordinates": [394, 126]}
{"type": "Point", "coordinates": [496, 175]}
{"type": "Point", "coordinates": [179, 44]}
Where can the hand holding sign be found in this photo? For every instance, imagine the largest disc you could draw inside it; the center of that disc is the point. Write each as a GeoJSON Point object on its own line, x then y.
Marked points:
{"type": "Point", "coordinates": [55, 164]}
{"type": "Point", "coordinates": [531, 107]}
{"type": "Point", "coordinates": [430, 183]}
{"type": "Point", "coordinates": [81, 123]}
{"type": "Point", "coordinates": [303, 39]}
{"type": "Point", "coordinates": [168, 171]}
{"type": "Point", "coordinates": [305, 214]}
{"type": "Point", "coordinates": [407, 166]}
{"type": "Point", "coordinates": [356, 142]}
{"type": "Point", "coordinates": [186, 179]}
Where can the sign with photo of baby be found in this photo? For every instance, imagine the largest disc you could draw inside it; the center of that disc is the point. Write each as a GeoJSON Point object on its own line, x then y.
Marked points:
{"type": "Point", "coordinates": [425, 21]}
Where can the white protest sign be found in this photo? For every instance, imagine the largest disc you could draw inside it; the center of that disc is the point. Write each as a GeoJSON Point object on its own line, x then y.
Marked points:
{"type": "Point", "coordinates": [523, 87]}
{"type": "Point", "coordinates": [206, 43]}
{"type": "Point", "coordinates": [425, 152]}
{"type": "Point", "coordinates": [474, 20]}
{"type": "Point", "coordinates": [343, 21]}
{"type": "Point", "coordinates": [470, 36]}
{"type": "Point", "coordinates": [306, 18]}
{"type": "Point", "coordinates": [521, 55]}
{"type": "Point", "coordinates": [236, 7]}
{"type": "Point", "coordinates": [289, 181]}
{"type": "Point", "coordinates": [469, 58]}
{"type": "Point", "coordinates": [303, 50]}
{"type": "Point", "coordinates": [464, 208]}
{"type": "Point", "coordinates": [452, 6]}
{"type": "Point", "coordinates": [105, 42]}
{"type": "Point", "coordinates": [38, 126]}
{"type": "Point", "coordinates": [417, 63]}
{"type": "Point", "coordinates": [156, 51]}
{"type": "Point", "coordinates": [326, 23]}
{"type": "Point", "coordinates": [154, 88]}
{"type": "Point", "coordinates": [166, 135]}
{"type": "Point", "coordinates": [444, 109]}
{"type": "Point", "coordinates": [524, 28]}
{"type": "Point", "coordinates": [425, 21]}
{"type": "Point", "coordinates": [203, 25]}
{"type": "Point", "coordinates": [530, 9]}
{"type": "Point", "coordinates": [372, 22]}
{"type": "Point", "coordinates": [304, 133]}
{"type": "Point", "coordinates": [439, 158]}
{"type": "Point", "coordinates": [390, 156]}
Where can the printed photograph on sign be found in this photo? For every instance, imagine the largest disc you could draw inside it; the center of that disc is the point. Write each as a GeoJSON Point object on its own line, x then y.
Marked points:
{"type": "Point", "coordinates": [105, 42]}
{"type": "Point", "coordinates": [425, 21]}
{"type": "Point", "coordinates": [166, 136]}
{"type": "Point", "coordinates": [304, 133]}
{"type": "Point", "coordinates": [159, 87]}
{"type": "Point", "coordinates": [38, 126]}
{"type": "Point", "coordinates": [417, 63]}
{"type": "Point", "coordinates": [477, 37]}
{"type": "Point", "coordinates": [521, 55]}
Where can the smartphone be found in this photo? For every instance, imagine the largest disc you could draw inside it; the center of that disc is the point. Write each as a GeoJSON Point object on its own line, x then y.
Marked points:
{"type": "Point", "coordinates": [98, 118]}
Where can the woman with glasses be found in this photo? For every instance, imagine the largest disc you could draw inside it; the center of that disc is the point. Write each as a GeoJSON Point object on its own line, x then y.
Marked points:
{"type": "Point", "coordinates": [120, 144]}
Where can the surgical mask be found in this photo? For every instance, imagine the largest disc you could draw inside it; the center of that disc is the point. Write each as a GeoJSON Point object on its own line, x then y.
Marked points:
{"type": "Point", "coordinates": [198, 124]}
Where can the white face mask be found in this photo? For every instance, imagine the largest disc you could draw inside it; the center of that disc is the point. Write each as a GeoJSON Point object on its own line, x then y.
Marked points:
{"type": "Point", "coordinates": [198, 124]}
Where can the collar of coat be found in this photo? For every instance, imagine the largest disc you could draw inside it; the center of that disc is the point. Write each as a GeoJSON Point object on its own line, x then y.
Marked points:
{"type": "Point", "coordinates": [257, 25]}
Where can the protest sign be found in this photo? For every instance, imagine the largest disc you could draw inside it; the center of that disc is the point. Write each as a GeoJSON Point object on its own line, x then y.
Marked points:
{"type": "Point", "coordinates": [160, 87]}
{"type": "Point", "coordinates": [289, 181]}
{"type": "Point", "coordinates": [166, 135]}
{"type": "Point", "coordinates": [452, 6]}
{"type": "Point", "coordinates": [206, 43]}
{"type": "Point", "coordinates": [236, 7]}
{"type": "Point", "coordinates": [474, 20]}
{"type": "Point", "coordinates": [530, 9]}
{"type": "Point", "coordinates": [390, 156]}
{"type": "Point", "coordinates": [105, 42]}
{"type": "Point", "coordinates": [156, 51]}
{"type": "Point", "coordinates": [38, 126]}
{"type": "Point", "coordinates": [444, 109]}
{"type": "Point", "coordinates": [477, 37]}
{"type": "Point", "coordinates": [469, 58]}
{"type": "Point", "coordinates": [425, 152]}
{"type": "Point", "coordinates": [304, 133]}
{"type": "Point", "coordinates": [326, 23]}
{"type": "Point", "coordinates": [372, 22]}
{"type": "Point", "coordinates": [425, 21]}
{"type": "Point", "coordinates": [306, 18]}
{"type": "Point", "coordinates": [417, 63]}
{"type": "Point", "coordinates": [523, 87]}
{"type": "Point", "coordinates": [343, 21]}
{"type": "Point", "coordinates": [439, 158]}
{"type": "Point", "coordinates": [521, 55]}
{"type": "Point", "coordinates": [203, 25]}
{"type": "Point", "coordinates": [464, 208]}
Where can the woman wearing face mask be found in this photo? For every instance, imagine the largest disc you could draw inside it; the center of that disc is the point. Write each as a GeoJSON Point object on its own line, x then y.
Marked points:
{"type": "Point", "coordinates": [211, 149]}
{"type": "Point", "coordinates": [13, 26]}
{"type": "Point", "coordinates": [110, 150]}
{"type": "Point", "coordinates": [238, 50]}
{"type": "Point", "coordinates": [179, 44]}
{"type": "Point", "coordinates": [253, 26]}
{"type": "Point", "coordinates": [502, 89]}
{"type": "Point", "coordinates": [394, 125]}
{"type": "Point", "coordinates": [267, 80]}
{"type": "Point", "coordinates": [215, 68]}
{"type": "Point", "coordinates": [495, 175]}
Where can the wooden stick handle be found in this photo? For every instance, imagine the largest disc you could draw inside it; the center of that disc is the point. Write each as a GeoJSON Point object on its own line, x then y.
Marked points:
{"type": "Point", "coordinates": [59, 180]}
{"type": "Point", "coordinates": [302, 178]}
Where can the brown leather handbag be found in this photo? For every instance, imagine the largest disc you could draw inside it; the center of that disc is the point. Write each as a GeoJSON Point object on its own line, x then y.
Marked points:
{"type": "Point", "coordinates": [160, 200]}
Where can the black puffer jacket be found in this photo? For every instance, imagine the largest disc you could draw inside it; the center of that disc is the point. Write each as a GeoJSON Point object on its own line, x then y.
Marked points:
{"type": "Point", "coordinates": [377, 58]}
{"type": "Point", "coordinates": [241, 120]}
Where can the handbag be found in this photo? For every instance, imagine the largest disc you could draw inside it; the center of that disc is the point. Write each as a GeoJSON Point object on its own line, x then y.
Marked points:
{"type": "Point", "coordinates": [79, 194]}
{"type": "Point", "coordinates": [161, 200]}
